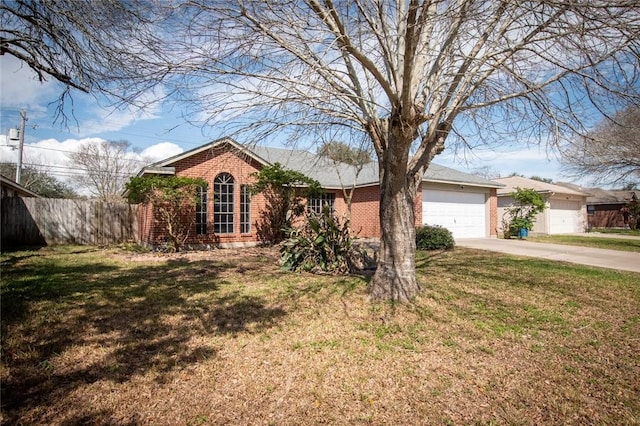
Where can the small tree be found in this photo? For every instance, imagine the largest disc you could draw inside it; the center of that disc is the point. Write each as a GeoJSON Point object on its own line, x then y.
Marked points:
{"type": "Point", "coordinates": [284, 191]}
{"type": "Point", "coordinates": [356, 157]}
{"type": "Point", "coordinates": [173, 199]}
{"type": "Point", "coordinates": [105, 168]}
{"type": "Point", "coordinates": [633, 211]}
{"type": "Point", "coordinates": [528, 203]}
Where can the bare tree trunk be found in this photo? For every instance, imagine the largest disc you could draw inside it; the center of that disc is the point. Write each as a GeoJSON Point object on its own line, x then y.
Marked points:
{"type": "Point", "coordinates": [395, 277]}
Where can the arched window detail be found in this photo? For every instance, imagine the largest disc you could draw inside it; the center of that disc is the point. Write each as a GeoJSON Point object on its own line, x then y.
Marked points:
{"type": "Point", "coordinates": [223, 206]}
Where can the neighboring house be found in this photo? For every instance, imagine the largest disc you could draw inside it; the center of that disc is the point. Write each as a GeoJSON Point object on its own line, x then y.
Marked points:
{"type": "Point", "coordinates": [463, 203]}
{"type": "Point", "coordinates": [12, 189]}
{"type": "Point", "coordinates": [566, 211]}
{"type": "Point", "coordinates": [605, 208]}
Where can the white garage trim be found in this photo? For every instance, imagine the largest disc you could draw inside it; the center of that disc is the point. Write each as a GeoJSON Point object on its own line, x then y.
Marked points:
{"type": "Point", "coordinates": [564, 216]}
{"type": "Point", "coordinates": [462, 213]}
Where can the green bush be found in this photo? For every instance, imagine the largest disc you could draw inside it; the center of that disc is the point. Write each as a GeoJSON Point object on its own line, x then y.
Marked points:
{"type": "Point", "coordinates": [323, 244]}
{"type": "Point", "coordinates": [434, 238]}
{"type": "Point", "coordinates": [528, 203]}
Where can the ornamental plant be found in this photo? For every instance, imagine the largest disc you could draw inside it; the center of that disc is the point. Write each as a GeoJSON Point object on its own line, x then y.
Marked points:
{"type": "Point", "coordinates": [434, 238]}
{"type": "Point", "coordinates": [324, 244]}
{"type": "Point", "coordinates": [284, 191]}
{"type": "Point", "coordinates": [522, 215]}
{"type": "Point", "coordinates": [173, 199]}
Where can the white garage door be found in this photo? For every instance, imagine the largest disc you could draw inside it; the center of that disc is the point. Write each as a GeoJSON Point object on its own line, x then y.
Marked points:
{"type": "Point", "coordinates": [462, 213]}
{"type": "Point", "coordinates": [564, 216]}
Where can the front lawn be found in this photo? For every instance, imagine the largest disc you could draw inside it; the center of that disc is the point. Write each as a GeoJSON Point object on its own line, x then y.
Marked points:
{"type": "Point", "coordinates": [590, 241]}
{"type": "Point", "coordinates": [95, 336]}
{"type": "Point", "coordinates": [619, 231]}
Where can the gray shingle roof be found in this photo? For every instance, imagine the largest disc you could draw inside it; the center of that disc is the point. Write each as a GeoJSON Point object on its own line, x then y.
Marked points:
{"type": "Point", "coordinates": [331, 175]}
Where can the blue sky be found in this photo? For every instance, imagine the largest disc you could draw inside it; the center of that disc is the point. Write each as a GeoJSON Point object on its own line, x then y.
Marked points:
{"type": "Point", "coordinates": [158, 133]}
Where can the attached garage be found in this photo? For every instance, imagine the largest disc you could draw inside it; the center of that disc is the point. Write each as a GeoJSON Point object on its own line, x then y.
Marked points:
{"type": "Point", "coordinates": [462, 213]}
{"type": "Point", "coordinates": [565, 212]}
{"type": "Point", "coordinates": [564, 216]}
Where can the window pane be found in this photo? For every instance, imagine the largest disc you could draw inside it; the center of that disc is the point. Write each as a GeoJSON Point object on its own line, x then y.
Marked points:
{"type": "Point", "coordinates": [201, 211]}
{"type": "Point", "coordinates": [318, 203]}
{"type": "Point", "coordinates": [245, 209]}
{"type": "Point", "coordinates": [223, 186]}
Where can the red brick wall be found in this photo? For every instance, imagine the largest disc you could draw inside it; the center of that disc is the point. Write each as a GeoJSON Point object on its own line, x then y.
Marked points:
{"type": "Point", "coordinates": [207, 165]}
{"type": "Point", "coordinates": [146, 224]}
{"type": "Point", "coordinates": [365, 215]}
{"type": "Point", "coordinates": [607, 216]}
{"type": "Point", "coordinates": [493, 212]}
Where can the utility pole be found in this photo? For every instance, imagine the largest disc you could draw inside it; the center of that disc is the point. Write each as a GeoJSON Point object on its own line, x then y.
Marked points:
{"type": "Point", "coordinates": [23, 120]}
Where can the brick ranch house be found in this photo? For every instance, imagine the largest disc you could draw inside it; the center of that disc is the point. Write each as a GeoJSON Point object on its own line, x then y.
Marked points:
{"type": "Point", "coordinates": [463, 203]}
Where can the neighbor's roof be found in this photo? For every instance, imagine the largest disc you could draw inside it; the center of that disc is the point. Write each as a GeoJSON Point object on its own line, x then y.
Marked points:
{"type": "Point", "coordinates": [330, 174]}
{"type": "Point", "coordinates": [513, 182]}
{"type": "Point", "coordinates": [602, 196]}
{"type": "Point", "coordinates": [6, 182]}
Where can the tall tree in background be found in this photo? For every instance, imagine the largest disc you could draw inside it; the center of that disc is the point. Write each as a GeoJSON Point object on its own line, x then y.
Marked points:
{"type": "Point", "coordinates": [104, 168]}
{"type": "Point", "coordinates": [610, 153]}
{"type": "Point", "coordinates": [412, 75]}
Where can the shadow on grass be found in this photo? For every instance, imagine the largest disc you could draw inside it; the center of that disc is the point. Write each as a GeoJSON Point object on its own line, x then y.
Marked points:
{"type": "Point", "coordinates": [118, 322]}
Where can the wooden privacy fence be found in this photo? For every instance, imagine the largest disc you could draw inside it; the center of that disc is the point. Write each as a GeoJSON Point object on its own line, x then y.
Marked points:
{"type": "Point", "coordinates": [42, 221]}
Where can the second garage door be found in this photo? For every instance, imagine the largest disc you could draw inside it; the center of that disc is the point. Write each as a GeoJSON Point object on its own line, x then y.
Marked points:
{"type": "Point", "coordinates": [564, 216]}
{"type": "Point", "coordinates": [462, 213]}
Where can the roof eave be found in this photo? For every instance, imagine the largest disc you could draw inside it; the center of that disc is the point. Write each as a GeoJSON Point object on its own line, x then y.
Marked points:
{"type": "Point", "coordinates": [455, 182]}
{"type": "Point", "coordinates": [156, 170]}
{"type": "Point", "coordinates": [211, 145]}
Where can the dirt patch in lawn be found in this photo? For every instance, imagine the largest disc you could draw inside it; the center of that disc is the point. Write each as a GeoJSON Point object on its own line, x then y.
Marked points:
{"type": "Point", "coordinates": [225, 337]}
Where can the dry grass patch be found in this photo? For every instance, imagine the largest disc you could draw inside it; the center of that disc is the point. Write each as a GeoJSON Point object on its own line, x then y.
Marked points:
{"type": "Point", "coordinates": [224, 337]}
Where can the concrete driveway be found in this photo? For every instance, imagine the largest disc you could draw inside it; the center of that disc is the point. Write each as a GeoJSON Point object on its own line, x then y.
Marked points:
{"type": "Point", "coordinates": [612, 259]}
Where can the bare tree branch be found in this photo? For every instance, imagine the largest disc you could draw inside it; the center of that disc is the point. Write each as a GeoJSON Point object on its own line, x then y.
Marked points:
{"type": "Point", "coordinates": [610, 153]}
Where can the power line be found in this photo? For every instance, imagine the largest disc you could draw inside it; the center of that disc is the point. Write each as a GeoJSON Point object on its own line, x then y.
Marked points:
{"type": "Point", "coordinates": [73, 152]}
{"type": "Point", "coordinates": [72, 169]}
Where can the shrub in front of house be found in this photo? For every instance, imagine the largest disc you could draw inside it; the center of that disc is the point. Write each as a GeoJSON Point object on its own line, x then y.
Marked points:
{"type": "Point", "coordinates": [324, 244]}
{"type": "Point", "coordinates": [434, 238]}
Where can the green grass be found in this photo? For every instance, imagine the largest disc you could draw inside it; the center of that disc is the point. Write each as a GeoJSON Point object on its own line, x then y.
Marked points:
{"type": "Point", "coordinates": [619, 231]}
{"type": "Point", "coordinates": [110, 336]}
{"type": "Point", "coordinates": [596, 242]}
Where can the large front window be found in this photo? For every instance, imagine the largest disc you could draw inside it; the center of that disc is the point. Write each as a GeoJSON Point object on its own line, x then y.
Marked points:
{"type": "Point", "coordinates": [318, 203]}
{"type": "Point", "coordinates": [223, 206]}
{"type": "Point", "coordinates": [245, 209]}
{"type": "Point", "coordinates": [201, 210]}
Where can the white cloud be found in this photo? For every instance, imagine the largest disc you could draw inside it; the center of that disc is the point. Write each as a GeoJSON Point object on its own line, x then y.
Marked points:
{"type": "Point", "coordinates": [20, 87]}
{"type": "Point", "coordinates": [52, 155]}
{"type": "Point", "coordinates": [161, 151]}
{"type": "Point", "coordinates": [99, 119]}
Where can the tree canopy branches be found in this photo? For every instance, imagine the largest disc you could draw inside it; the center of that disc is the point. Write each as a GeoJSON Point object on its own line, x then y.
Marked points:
{"type": "Point", "coordinates": [610, 153]}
